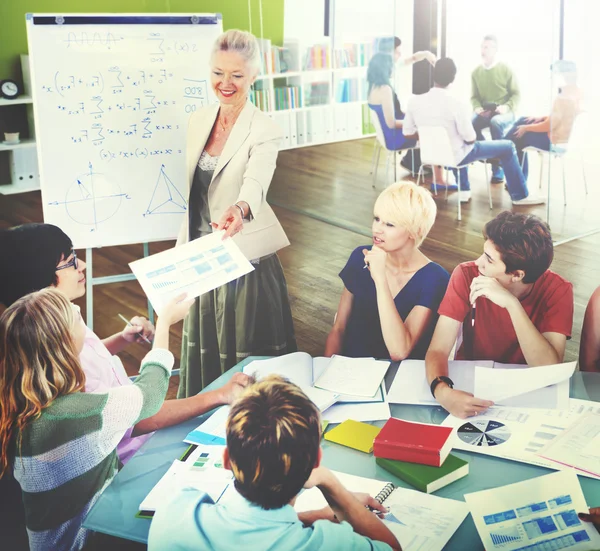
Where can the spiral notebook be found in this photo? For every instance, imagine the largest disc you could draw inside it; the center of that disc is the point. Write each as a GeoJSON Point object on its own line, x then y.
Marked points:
{"type": "Point", "coordinates": [421, 522]}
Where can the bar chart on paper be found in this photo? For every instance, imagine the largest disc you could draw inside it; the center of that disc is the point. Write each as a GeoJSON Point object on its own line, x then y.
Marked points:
{"type": "Point", "coordinates": [507, 535]}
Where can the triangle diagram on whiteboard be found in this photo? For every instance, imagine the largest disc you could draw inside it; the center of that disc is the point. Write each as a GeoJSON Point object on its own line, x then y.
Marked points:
{"type": "Point", "coordinates": [166, 198]}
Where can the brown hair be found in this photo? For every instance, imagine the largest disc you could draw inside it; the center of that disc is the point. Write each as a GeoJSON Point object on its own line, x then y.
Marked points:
{"type": "Point", "coordinates": [273, 437]}
{"type": "Point", "coordinates": [523, 241]}
{"type": "Point", "coordinates": [38, 362]}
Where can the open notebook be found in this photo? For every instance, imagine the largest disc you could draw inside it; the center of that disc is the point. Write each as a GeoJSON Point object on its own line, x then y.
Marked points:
{"type": "Point", "coordinates": [305, 371]}
{"type": "Point", "coordinates": [421, 522]}
{"type": "Point", "coordinates": [505, 384]}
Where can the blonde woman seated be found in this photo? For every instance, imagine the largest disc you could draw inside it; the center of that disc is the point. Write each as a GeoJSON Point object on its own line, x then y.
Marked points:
{"type": "Point", "coordinates": [392, 291]}
{"type": "Point", "coordinates": [61, 441]}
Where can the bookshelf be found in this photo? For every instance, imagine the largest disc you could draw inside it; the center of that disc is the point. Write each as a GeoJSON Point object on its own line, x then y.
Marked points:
{"type": "Point", "coordinates": [316, 93]}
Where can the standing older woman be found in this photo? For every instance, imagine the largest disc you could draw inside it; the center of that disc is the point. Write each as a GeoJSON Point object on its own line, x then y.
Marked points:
{"type": "Point", "coordinates": [231, 153]}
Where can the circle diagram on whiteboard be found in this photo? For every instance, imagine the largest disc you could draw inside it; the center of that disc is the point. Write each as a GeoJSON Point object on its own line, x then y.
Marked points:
{"type": "Point", "coordinates": [482, 432]}
{"type": "Point", "coordinates": [92, 199]}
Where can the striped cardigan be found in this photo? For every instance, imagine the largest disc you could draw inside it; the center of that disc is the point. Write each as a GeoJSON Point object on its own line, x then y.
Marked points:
{"type": "Point", "coordinates": [68, 454]}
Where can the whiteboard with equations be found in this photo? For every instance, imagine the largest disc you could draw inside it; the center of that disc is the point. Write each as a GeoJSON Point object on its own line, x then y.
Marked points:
{"type": "Point", "coordinates": [112, 98]}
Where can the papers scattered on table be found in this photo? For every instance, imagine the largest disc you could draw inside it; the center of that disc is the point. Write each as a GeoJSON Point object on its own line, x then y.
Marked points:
{"type": "Point", "coordinates": [353, 376]}
{"type": "Point", "coordinates": [421, 522]}
{"type": "Point", "coordinates": [518, 434]}
{"type": "Point", "coordinates": [551, 383]}
{"type": "Point", "coordinates": [505, 384]}
{"type": "Point", "coordinates": [202, 470]}
{"type": "Point", "coordinates": [194, 268]}
{"type": "Point", "coordinates": [578, 446]}
{"type": "Point", "coordinates": [212, 431]}
{"type": "Point", "coordinates": [336, 406]}
{"type": "Point", "coordinates": [535, 515]}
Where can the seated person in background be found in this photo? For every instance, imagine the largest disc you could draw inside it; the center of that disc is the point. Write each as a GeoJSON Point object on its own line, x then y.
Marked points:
{"type": "Point", "coordinates": [554, 129]}
{"type": "Point", "coordinates": [41, 255]}
{"type": "Point", "coordinates": [512, 308]}
{"type": "Point", "coordinates": [382, 99]}
{"type": "Point", "coordinates": [494, 96]}
{"type": "Point", "coordinates": [439, 108]}
{"type": "Point", "coordinates": [62, 442]}
{"type": "Point", "coordinates": [589, 348]}
{"type": "Point", "coordinates": [273, 438]}
{"type": "Point", "coordinates": [389, 310]}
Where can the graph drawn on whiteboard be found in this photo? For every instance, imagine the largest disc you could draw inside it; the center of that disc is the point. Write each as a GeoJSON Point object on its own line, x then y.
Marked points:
{"type": "Point", "coordinates": [166, 198]}
{"type": "Point", "coordinates": [92, 199]}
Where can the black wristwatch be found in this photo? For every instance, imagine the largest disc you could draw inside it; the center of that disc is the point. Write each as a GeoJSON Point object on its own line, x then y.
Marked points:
{"type": "Point", "coordinates": [438, 380]}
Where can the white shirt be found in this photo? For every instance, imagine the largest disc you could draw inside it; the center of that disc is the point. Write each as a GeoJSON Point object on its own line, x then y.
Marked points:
{"type": "Point", "coordinates": [440, 108]}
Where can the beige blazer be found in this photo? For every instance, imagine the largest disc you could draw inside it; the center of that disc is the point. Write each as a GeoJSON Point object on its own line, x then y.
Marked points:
{"type": "Point", "coordinates": [243, 173]}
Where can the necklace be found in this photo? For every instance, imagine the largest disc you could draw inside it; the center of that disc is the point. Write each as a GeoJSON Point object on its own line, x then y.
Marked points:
{"type": "Point", "coordinates": [231, 120]}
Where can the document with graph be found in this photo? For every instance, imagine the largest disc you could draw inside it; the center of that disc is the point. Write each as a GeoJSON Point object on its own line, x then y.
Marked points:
{"type": "Point", "coordinates": [535, 515]}
{"type": "Point", "coordinates": [194, 268]}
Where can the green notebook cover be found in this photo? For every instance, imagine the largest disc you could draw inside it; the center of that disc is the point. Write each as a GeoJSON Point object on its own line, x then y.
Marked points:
{"type": "Point", "coordinates": [424, 477]}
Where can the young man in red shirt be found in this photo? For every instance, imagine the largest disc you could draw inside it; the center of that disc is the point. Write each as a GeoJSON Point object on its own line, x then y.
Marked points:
{"type": "Point", "coordinates": [512, 308]}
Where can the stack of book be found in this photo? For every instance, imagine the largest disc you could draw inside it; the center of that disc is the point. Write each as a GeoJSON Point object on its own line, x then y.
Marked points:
{"type": "Point", "coordinates": [419, 454]}
{"type": "Point", "coordinates": [287, 97]}
{"type": "Point", "coordinates": [317, 57]}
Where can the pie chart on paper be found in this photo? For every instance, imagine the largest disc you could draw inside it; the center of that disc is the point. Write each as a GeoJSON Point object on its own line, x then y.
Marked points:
{"type": "Point", "coordinates": [483, 432]}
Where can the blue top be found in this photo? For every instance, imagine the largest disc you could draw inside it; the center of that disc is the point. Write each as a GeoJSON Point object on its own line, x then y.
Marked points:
{"type": "Point", "coordinates": [394, 138]}
{"type": "Point", "coordinates": [192, 521]}
{"type": "Point", "coordinates": [363, 336]}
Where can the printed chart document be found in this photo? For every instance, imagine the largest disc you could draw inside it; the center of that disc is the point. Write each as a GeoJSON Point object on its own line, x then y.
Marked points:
{"type": "Point", "coordinates": [410, 384]}
{"type": "Point", "coordinates": [194, 268]}
{"type": "Point", "coordinates": [202, 470]}
{"type": "Point", "coordinates": [535, 515]}
{"type": "Point", "coordinates": [212, 431]}
{"type": "Point", "coordinates": [518, 434]}
{"type": "Point", "coordinates": [550, 381]}
{"type": "Point", "coordinates": [578, 446]}
{"type": "Point", "coordinates": [421, 522]}
{"type": "Point", "coordinates": [301, 369]}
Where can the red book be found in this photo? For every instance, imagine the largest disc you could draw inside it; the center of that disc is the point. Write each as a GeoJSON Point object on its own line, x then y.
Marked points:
{"type": "Point", "coordinates": [413, 442]}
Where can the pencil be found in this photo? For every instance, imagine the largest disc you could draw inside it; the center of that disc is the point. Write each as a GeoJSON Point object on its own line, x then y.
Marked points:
{"type": "Point", "coordinates": [129, 324]}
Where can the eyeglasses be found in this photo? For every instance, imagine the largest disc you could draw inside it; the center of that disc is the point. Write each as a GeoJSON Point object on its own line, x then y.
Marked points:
{"type": "Point", "coordinates": [72, 262]}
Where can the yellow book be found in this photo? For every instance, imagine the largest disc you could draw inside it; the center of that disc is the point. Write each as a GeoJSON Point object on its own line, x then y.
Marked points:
{"type": "Point", "coordinates": [354, 434]}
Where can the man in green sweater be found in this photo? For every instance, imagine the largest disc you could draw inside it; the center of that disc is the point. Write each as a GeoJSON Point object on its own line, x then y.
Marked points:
{"type": "Point", "coordinates": [494, 96]}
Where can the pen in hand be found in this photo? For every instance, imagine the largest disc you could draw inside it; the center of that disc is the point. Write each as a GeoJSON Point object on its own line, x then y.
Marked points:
{"type": "Point", "coordinates": [129, 324]}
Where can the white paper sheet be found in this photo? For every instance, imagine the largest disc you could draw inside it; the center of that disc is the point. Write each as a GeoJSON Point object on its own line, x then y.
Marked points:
{"type": "Point", "coordinates": [193, 473]}
{"type": "Point", "coordinates": [354, 376]}
{"type": "Point", "coordinates": [421, 522]}
{"type": "Point", "coordinates": [518, 434]}
{"type": "Point", "coordinates": [298, 369]}
{"type": "Point", "coordinates": [578, 446]}
{"type": "Point", "coordinates": [410, 384]}
{"type": "Point", "coordinates": [194, 268]}
{"type": "Point", "coordinates": [211, 431]}
{"type": "Point", "coordinates": [499, 385]}
{"type": "Point", "coordinates": [535, 515]}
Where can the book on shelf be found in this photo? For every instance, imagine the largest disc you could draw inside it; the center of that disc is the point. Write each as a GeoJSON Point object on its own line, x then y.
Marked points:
{"type": "Point", "coordinates": [316, 93]}
{"type": "Point", "coordinates": [287, 97]}
{"type": "Point", "coordinates": [426, 478]}
{"type": "Point", "coordinates": [413, 442]}
{"type": "Point", "coordinates": [353, 54]}
{"type": "Point", "coordinates": [317, 57]}
{"type": "Point", "coordinates": [348, 89]}
{"type": "Point", "coordinates": [261, 98]}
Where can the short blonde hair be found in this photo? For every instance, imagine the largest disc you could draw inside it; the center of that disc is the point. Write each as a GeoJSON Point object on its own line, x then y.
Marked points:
{"type": "Point", "coordinates": [409, 206]}
{"type": "Point", "coordinates": [242, 43]}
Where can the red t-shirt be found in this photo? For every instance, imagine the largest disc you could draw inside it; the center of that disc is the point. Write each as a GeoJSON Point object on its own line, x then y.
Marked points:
{"type": "Point", "coordinates": [492, 337]}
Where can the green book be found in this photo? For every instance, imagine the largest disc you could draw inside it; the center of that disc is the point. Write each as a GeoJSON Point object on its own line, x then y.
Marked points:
{"type": "Point", "coordinates": [424, 477]}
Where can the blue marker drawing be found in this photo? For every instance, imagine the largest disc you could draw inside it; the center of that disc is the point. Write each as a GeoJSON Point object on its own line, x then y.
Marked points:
{"type": "Point", "coordinates": [166, 198]}
{"type": "Point", "coordinates": [91, 199]}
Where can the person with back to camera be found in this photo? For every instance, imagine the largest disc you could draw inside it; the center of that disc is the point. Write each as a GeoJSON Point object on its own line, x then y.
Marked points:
{"type": "Point", "coordinates": [61, 442]}
{"type": "Point", "coordinates": [231, 154]}
{"type": "Point", "coordinates": [273, 450]}
{"type": "Point", "coordinates": [389, 310]}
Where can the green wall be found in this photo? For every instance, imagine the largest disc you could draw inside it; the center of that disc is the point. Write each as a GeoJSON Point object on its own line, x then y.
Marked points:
{"type": "Point", "coordinates": [13, 36]}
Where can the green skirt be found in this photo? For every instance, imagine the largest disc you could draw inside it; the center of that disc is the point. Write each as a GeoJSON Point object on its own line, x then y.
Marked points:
{"type": "Point", "coordinates": [249, 316]}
